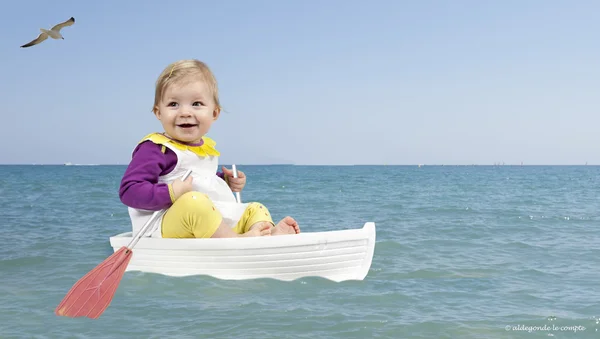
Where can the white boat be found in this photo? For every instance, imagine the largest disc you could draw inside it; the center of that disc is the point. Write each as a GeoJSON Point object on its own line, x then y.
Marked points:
{"type": "Point", "coordinates": [335, 255]}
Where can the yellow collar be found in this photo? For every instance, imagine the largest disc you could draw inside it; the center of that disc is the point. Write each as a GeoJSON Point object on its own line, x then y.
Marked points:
{"type": "Point", "coordinates": [207, 147]}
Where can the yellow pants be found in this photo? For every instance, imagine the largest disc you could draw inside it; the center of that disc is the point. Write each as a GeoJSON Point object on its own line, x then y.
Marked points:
{"type": "Point", "coordinates": [194, 215]}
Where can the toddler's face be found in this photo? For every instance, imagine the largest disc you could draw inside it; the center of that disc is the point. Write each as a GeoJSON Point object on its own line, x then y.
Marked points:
{"type": "Point", "coordinates": [187, 111]}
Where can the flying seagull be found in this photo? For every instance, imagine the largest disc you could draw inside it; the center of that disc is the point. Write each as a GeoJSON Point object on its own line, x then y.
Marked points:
{"type": "Point", "coordinates": [54, 33]}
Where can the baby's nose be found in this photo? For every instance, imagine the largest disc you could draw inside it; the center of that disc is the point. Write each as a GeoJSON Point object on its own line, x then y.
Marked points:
{"type": "Point", "coordinates": [185, 112]}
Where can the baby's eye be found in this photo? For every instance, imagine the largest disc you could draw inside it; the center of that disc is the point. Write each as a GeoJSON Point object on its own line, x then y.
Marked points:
{"type": "Point", "coordinates": [198, 103]}
{"type": "Point", "coordinates": [171, 104]}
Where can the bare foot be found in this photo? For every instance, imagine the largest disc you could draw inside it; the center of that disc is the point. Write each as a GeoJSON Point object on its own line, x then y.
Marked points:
{"type": "Point", "coordinates": [287, 225]}
{"type": "Point", "coordinates": [262, 229]}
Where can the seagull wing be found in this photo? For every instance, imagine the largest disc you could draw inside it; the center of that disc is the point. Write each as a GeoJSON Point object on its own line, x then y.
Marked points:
{"type": "Point", "coordinates": [40, 38]}
{"type": "Point", "coordinates": [58, 27]}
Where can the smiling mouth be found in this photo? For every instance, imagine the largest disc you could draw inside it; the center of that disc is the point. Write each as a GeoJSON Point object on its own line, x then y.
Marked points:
{"type": "Point", "coordinates": [187, 125]}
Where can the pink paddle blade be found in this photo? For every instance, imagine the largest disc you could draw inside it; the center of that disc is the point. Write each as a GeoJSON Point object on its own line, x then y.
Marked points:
{"type": "Point", "coordinates": [92, 294]}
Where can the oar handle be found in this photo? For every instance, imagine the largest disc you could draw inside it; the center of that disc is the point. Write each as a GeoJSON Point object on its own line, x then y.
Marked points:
{"type": "Point", "coordinates": [153, 218]}
{"type": "Point", "coordinates": [237, 194]}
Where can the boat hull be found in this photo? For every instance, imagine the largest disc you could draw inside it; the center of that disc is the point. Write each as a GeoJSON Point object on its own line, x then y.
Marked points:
{"type": "Point", "coordinates": [335, 255]}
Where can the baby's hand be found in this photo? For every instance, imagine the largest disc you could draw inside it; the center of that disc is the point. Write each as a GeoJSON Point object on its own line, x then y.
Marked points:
{"type": "Point", "coordinates": [181, 187]}
{"type": "Point", "coordinates": [236, 184]}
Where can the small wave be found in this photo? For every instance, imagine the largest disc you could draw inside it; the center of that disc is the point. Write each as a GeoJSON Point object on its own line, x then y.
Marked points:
{"type": "Point", "coordinates": [21, 263]}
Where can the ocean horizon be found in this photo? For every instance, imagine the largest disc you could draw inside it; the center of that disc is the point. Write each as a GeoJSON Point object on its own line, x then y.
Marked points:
{"type": "Point", "coordinates": [286, 164]}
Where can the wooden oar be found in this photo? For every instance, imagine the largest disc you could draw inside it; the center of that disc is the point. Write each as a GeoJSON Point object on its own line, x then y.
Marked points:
{"type": "Point", "coordinates": [92, 294]}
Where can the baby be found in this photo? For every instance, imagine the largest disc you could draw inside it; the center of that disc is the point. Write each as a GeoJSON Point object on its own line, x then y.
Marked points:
{"type": "Point", "coordinates": [186, 103]}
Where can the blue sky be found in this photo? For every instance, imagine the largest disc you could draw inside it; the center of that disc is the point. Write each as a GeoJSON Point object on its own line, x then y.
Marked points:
{"type": "Point", "coordinates": [311, 82]}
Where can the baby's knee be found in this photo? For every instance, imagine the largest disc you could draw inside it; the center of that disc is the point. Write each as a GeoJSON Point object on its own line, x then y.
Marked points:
{"type": "Point", "coordinates": [193, 215]}
{"type": "Point", "coordinates": [258, 210]}
{"type": "Point", "coordinates": [196, 201]}
{"type": "Point", "coordinates": [257, 206]}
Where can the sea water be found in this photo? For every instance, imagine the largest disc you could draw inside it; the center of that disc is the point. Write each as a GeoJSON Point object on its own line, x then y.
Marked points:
{"type": "Point", "coordinates": [461, 252]}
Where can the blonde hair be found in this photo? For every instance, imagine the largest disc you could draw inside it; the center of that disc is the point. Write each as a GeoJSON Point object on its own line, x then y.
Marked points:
{"type": "Point", "coordinates": [183, 71]}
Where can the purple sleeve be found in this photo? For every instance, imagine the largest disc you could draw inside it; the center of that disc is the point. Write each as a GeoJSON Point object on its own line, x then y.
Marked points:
{"type": "Point", "coordinates": [139, 186]}
{"type": "Point", "coordinates": [221, 175]}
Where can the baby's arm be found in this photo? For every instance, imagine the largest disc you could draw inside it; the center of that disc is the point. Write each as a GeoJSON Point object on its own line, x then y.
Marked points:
{"type": "Point", "coordinates": [139, 186]}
